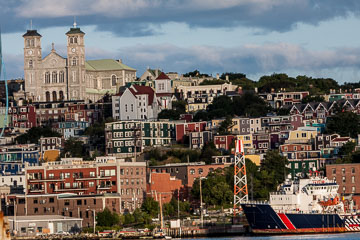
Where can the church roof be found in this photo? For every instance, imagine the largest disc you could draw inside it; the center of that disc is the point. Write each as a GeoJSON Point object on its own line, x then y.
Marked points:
{"type": "Point", "coordinates": [31, 33]}
{"type": "Point", "coordinates": [106, 65]}
{"type": "Point", "coordinates": [75, 31]}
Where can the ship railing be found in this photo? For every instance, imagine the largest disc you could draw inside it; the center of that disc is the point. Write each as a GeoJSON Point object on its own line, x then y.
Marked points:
{"type": "Point", "coordinates": [264, 202]}
{"type": "Point", "coordinates": [277, 193]}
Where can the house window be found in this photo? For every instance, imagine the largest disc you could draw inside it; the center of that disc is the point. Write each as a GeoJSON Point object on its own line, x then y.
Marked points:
{"type": "Point", "coordinates": [54, 77]}
{"type": "Point", "coordinates": [61, 77]}
{"type": "Point", "coordinates": [352, 170]}
{"type": "Point", "coordinates": [353, 189]}
{"type": "Point", "coordinates": [192, 171]}
{"type": "Point", "coordinates": [334, 171]}
{"type": "Point", "coordinates": [74, 61]}
{"type": "Point", "coordinates": [343, 170]}
{"type": "Point", "coordinates": [343, 179]}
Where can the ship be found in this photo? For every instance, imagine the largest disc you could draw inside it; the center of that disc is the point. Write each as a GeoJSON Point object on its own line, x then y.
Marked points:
{"type": "Point", "coordinates": [302, 205]}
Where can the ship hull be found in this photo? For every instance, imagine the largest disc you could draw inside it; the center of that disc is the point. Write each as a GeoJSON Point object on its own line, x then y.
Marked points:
{"type": "Point", "coordinates": [264, 220]}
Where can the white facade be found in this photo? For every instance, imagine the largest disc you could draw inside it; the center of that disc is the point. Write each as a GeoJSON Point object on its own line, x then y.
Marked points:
{"type": "Point", "coordinates": [136, 103]}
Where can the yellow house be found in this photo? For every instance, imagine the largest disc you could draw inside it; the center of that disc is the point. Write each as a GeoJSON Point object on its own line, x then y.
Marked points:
{"type": "Point", "coordinates": [247, 141]}
{"type": "Point", "coordinates": [301, 136]}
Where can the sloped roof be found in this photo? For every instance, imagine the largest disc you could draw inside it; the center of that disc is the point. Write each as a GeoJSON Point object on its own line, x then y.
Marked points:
{"type": "Point", "coordinates": [106, 65]}
{"type": "Point", "coordinates": [31, 33]}
{"type": "Point", "coordinates": [139, 90]}
{"type": "Point", "coordinates": [75, 31]}
{"type": "Point", "coordinates": [162, 76]}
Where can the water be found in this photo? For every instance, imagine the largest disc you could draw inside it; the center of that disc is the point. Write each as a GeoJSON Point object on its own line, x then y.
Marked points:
{"type": "Point", "coordinates": [335, 236]}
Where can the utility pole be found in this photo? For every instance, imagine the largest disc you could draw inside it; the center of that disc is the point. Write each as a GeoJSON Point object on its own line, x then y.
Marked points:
{"type": "Point", "coordinates": [161, 214]}
{"type": "Point", "coordinates": [178, 203]}
{"type": "Point", "coordinates": [201, 208]}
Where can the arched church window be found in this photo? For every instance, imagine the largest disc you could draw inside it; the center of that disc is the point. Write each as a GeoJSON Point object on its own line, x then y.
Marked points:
{"type": "Point", "coordinates": [75, 39]}
{"type": "Point", "coordinates": [74, 61]}
{"type": "Point", "coordinates": [54, 96]}
{"type": "Point", "coordinates": [28, 42]}
{"type": "Point", "coordinates": [61, 77]}
{"type": "Point", "coordinates": [30, 63]}
{"type": "Point", "coordinates": [54, 77]}
{"type": "Point", "coordinates": [71, 40]}
{"type": "Point", "coordinates": [61, 95]}
{"type": "Point", "coordinates": [47, 77]}
{"type": "Point", "coordinates": [47, 96]}
{"type": "Point", "coordinates": [32, 42]}
{"type": "Point", "coordinates": [113, 80]}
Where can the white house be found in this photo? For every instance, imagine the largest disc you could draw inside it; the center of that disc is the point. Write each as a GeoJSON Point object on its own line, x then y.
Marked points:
{"type": "Point", "coordinates": [136, 103]}
{"type": "Point", "coordinates": [164, 91]}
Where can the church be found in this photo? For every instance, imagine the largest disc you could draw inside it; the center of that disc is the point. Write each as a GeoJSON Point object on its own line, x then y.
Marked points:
{"type": "Point", "coordinates": [56, 78]}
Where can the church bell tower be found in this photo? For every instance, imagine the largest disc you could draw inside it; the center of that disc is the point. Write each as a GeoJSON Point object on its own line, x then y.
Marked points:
{"type": "Point", "coordinates": [76, 63]}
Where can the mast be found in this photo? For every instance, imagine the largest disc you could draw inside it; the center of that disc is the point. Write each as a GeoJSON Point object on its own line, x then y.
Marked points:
{"type": "Point", "coordinates": [240, 181]}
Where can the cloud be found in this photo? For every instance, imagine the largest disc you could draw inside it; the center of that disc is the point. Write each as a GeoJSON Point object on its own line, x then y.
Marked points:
{"type": "Point", "coordinates": [251, 59]}
{"type": "Point", "coordinates": [141, 17]}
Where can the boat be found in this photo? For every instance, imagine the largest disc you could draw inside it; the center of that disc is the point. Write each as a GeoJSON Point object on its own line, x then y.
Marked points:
{"type": "Point", "coordinates": [302, 205]}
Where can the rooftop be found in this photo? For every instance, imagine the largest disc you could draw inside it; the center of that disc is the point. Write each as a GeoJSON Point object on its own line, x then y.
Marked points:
{"type": "Point", "coordinates": [106, 65]}
{"type": "Point", "coordinates": [31, 33]}
{"type": "Point", "coordinates": [75, 31]}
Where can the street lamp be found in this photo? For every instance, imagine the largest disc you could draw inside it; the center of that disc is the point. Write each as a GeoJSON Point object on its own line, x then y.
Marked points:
{"type": "Point", "coordinates": [93, 210]}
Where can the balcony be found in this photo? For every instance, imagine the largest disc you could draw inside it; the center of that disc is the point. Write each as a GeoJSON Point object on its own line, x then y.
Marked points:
{"type": "Point", "coordinates": [104, 186]}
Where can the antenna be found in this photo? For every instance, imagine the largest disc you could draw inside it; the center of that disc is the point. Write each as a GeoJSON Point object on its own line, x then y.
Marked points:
{"type": "Point", "coordinates": [31, 28]}
{"type": "Point", "coordinates": [240, 181]}
{"type": "Point", "coordinates": [75, 22]}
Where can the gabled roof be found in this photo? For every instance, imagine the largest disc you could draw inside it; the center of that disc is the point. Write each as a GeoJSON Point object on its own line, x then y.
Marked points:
{"type": "Point", "coordinates": [141, 90]}
{"type": "Point", "coordinates": [162, 76]}
{"type": "Point", "coordinates": [105, 65]}
{"type": "Point", "coordinates": [31, 33]}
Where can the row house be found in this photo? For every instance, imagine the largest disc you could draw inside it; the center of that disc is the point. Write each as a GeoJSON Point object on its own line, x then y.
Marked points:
{"type": "Point", "coordinates": [280, 123]}
{"type": "Point", "coordinates": [104, 175]}
{"type": "Point", "coordinates": [224, 142]}
{"type": "Point", "coordinates": [163, 185]}
{"type": "Point", "coordinates": [14, 158]}
{"type": "Point", "coordinates": [261, 141]}
{"type": "Point", "coordinates": [183, 130]}
{"type": "Point", "coordinates": [280, 99]}
{"type": "Point", "coordinates": [22, 117]}
{"type": "Point", "coordinates": [90, 112]}
{"type": "Point", "coordinates": [121, 136]}
{"type": "Point", "coordinates": [321, 110]}
{"type": "Point", "coordinates": [198, 140]}
{"type": "Point", "coordinates": [50, 147]}
{"type": "Point", "coordinates": [68, 205]}
{"type": "Point", "coordinates": [71, 129]}
{"type": "Point", "coordinates": [302, 157]}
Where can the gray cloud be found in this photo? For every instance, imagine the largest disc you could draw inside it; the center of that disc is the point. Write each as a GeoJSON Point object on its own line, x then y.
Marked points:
{"type": "Point", "coordinates": [135, 17]}
{"type": "Point", "coordinates": [252, 59]}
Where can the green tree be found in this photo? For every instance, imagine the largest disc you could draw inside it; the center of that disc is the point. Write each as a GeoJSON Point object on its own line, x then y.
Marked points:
{"type": "Point", "coordinates": [209, 150]}
{"type": "Point", "coordinates": [275, 166]}
{"type": "Point", "coordinates": [344, 123]}
{"type": "Point", "coordinates": [73, 148]}
{"type": "Point", "coordinates": [313, 98]}
{"type": "Point", "coordinates": [225, 126]}
{"type": "Point", "coordinates": [179, 106]}
{"type": "Point", "coordinates": [169, 114]}
{"type": "Point", "coordinates": [201, 115]}
{"type": "Point", "coordinates": [106, 218]}
{"type": "Point", "coordinates": [35, 133]}
{"type": "Point", "coordinates": [212, 82]}
{"type": "Point", "coordinates": [150, 206]}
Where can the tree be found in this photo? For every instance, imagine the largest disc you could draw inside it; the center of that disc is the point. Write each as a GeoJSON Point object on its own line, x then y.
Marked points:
{"type": "Point", "coordinates": [169, 114]}
{"type": "Point", "coordinates": [313, 98]}
{"type": "Point", "coordinates": [344, 123]}
{"type": "Point", "coordinates": [179, 106]}
{"type": "Point", "coordinates": [106, 218]}
{"type": "Point", "coordinates": [275, 166]}
{"type": "Point", "coordinates": [209, 150]}
{"type": "Point", "coordinates": [225, 126]}
{"type": "Point", "coordinates": [201, 115]}
{"type": "Point", "coordinates": [150, 206]}
{"type": "Point", "coordinates": [35, 133]}
{"type": "Point", "coordinates": [73, 148]}
{"type": "Point", "coordinates": [195, 73]}
{"type": "Point", "coordinates": [212, 82]}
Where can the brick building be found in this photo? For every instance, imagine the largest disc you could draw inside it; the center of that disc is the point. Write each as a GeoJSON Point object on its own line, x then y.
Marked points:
{"type": "Point", "coordinates": [348, 178]}
{"type": "Point", "coordinates": [104, 175]}
{"type": "Point", "coordinates": [183, 130]}
{"type": "Point", "coordinates": [164, 185]}
{"type": "Point", "coordinates": [67, 204]}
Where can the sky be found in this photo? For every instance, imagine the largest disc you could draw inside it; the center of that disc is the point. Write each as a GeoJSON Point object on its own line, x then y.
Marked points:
{"type": "Point", "coordinates": [318, 38]}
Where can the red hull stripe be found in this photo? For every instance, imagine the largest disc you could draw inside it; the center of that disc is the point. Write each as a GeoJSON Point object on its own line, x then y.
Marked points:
{"type": "Point", "coordinates": [286, 221]}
